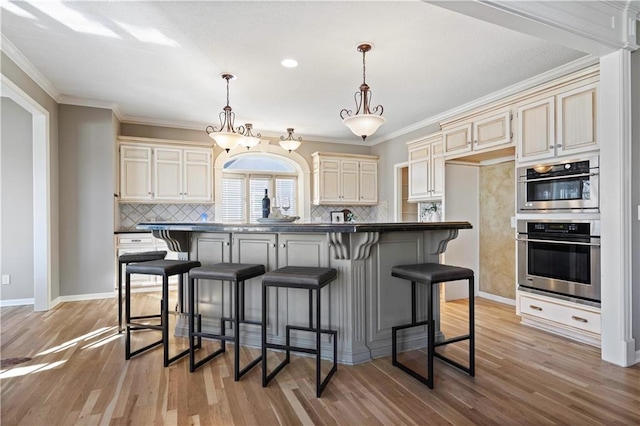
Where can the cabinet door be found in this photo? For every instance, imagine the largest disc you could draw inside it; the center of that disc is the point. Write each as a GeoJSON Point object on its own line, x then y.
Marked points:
{"type": "Point", "coordinates": [419, 172]}
{"type": "Point", "coordinates": [197, 175]}
{"type": "Point", "coordinates": [536, 130]}
{"type": "Point", "coordinates": [436, 187]}
{"type": "Point", "coordinates": [257, 249]}
{"type": "Point", "coordinates": [293, 304]}
{"type": "Point", "coordinates": [457, 140]}
{"type": "Point", "coordinates": [168, 174]}
{"type": "Point", "coordinates": [135, 173]}
{"type": "Point", "coordinates": [349, 181]}
{"type": "Point", "coordinates": [492, 131]}
{"type": "Point", "coordinates": [330, 181]}
{"type": "Point", "coordinates": [577, 130]}
{"type": "Point", "coordinates": [368, 182]}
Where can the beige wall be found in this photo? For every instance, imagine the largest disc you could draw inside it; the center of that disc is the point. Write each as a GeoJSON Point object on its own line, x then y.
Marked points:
{"type": "Point", "coordinates": [87, 168]}
{"type": "Point", "coordinates": [497, 246]}
{"type": "Point", "coordinates": [16, 153]}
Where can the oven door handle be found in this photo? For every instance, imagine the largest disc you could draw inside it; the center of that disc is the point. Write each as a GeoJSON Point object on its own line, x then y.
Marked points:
{"type": "Point", "coordinates": [525, 180]}
{"type": "Point", "coordinates": [576, 243]}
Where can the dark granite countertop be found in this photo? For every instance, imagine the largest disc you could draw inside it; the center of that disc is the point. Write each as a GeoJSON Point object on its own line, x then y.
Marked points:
{"type": "Point", "coordinates": [302, 227]}
{"type": "Point", "coordinates": [132, 231]}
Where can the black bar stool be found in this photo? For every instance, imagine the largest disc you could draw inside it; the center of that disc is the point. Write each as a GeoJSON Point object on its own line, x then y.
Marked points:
{"type": "Point", "coordinates": [309, 278]}
{"type": "Point", "coordinates": [433, 274]}
{"type": "Point", "coordinates": [165, 269]}
{"type": "Point", "coordinates": [237, 273]}
{"type": "Point", "coordinates": [125, 259]}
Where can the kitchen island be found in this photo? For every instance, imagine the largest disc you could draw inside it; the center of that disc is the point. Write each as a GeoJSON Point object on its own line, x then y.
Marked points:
{"type": "Point", "coordinates": [363, 303]}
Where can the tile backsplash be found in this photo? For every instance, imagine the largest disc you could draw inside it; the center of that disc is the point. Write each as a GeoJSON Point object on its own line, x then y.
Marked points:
{"type": "Point", "coordinates": [132, 213]}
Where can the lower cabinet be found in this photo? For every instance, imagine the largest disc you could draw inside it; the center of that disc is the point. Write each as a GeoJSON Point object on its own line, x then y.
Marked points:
{"type": "Point", "coordinates": [136, 243]}
{"type": "Point", "coordinates": [572, 320]}
{"type": "Point", "coordinates": [285, 306]}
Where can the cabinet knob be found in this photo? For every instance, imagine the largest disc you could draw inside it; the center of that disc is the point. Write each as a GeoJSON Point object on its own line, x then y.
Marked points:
{"type": "Point", "coordinates": [559, 145]}
{"type": "Point", "coordinates": [274, 244]}
{"type": "Point", "coordinates": [228, 243]}
{"type": "Point", "coordinates": [283, 245]}
{"type": "Point", "coordinates": [552, 146]}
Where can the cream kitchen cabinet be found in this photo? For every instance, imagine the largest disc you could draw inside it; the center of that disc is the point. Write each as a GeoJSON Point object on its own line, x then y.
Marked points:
{"type": "Point", "coordinates": [165, 173]}
{"type": "Point", "coordinates": [481, 133]}
{"type": "Point", "coordinates": [135, 173]}
{"type": "Point", "coordinates": [182, 174]}
{"type": "Point", "coordinates": [559, 125]}
{"type": "Point", "coordinates": [340, 179]}
{"type": "Point", "coordinates": [575, 321]}
{"type": "Point", "coordinates": [136, 243]}
{"type": "Point", "coordinates": [426, 169]}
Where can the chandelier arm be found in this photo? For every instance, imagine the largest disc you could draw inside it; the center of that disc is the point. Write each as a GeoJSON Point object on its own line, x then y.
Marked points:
{"type": "Point", "coordinates": [357, 97]}
{"type": "Point", "coordinates": [344, 111]}
{"type": "Point", "coordinates": [210, 129]}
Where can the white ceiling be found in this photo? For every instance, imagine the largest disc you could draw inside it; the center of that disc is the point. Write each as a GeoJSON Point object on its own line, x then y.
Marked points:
{"type": "Point", "coordinates": [159, 62]}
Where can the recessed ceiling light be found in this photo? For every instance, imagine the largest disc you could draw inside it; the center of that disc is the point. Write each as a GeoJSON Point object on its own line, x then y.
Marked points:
{"type": "Point", "coordinates": [289, 63]}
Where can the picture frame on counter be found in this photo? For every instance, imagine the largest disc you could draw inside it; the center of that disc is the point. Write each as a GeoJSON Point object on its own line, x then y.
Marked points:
{"type": "Point", "coordinates": [337, 217]}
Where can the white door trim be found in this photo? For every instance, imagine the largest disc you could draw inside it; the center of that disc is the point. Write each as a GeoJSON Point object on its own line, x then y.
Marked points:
{"type": "Point", "coordinates": [41, 193]}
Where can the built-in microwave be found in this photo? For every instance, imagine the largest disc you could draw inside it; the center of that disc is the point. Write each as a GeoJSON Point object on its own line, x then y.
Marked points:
{"type": "Point", "coordinates": [570, 185]}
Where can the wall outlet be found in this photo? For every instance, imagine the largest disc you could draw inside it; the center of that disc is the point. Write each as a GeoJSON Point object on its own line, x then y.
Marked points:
{"type": "Point", "coordinates": [6, 279]}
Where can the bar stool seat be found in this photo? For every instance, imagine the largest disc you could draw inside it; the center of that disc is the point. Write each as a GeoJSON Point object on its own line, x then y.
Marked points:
{"type": "Point", "coordinates": [125, 259]}
{"type": "Point", "coordinates": [237, 274]}
{"type": "Point", "coordinates": [311, 279]}
{"type": "Point", "coordinates": [432, 274]}
{"type": "Point", "coordinates": [164, 268]}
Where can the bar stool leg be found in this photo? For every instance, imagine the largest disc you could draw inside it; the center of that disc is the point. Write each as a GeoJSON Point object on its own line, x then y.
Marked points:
{"type": "Point", "coordinates": [119, 297]}
{"type": "Point", "coordinates": [472, 339]}
{"type": "Point", "coordinates": [318, 346]}
{"type": "Point", "coordinates": [127, 344]}
{"type": "Point", "coordinates": [431, 332]}
{"type": "Point", "coordinates": [264, 335]}
{"type": "Point", "coordinates": [192, 315]}
{"type": "Point", "coordinates": [236, 332]}
{"type": "Point", "coordinates": [164, 311]}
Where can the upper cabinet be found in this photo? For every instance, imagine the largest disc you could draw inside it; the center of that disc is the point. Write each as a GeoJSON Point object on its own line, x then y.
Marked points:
{"type": "Point", "coordinates": [343, 179]}
{"type": "Point", "coordinates": [426, 169]}
{"type": "Point", "coordinates": [135, 173]}
{"type": "Point", "coordinates": [165, 173]}
{"type": "Point", "coordinates": [480, 133]}
{"type": "Point", "coordinates": [558, 125]}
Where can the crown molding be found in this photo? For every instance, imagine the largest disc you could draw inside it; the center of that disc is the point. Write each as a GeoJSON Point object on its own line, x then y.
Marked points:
{"type": "Point", "coordinates": [545, 77]}
{"type": "Point", "coordinates": [93, 103]}
{"type": "Point", "coordinates": [143, 121]}
{"type": "Point", "coordinates": [25, 65]}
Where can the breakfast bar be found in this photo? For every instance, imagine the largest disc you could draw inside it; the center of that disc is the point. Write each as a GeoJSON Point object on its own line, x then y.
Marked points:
{"type": "Point", "coordinates": [362, 305]}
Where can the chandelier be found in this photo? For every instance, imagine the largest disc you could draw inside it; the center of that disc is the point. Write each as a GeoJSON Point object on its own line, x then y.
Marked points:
{"type": "Point", "coordinates": [366, 120]}
{"type": "Point", "coordinates": [289, 143]}
{"type": "Point", "coordinates": [228, 137]}
{"type": "Point", "coordinates": [250, 140]}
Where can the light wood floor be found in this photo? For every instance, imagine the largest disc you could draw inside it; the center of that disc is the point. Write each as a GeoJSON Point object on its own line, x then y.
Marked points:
{"type": "Point", "coordinates": [77, 375]}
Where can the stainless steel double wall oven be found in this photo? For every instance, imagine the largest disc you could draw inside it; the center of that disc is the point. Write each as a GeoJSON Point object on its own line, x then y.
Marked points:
{"type": "Point", "coordinates": [560, 256]}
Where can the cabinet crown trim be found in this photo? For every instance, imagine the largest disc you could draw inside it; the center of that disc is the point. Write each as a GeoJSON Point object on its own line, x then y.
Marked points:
{"type": "Point", "coordinates": [152, 141]}
{"type": "Point", "coordinates": [344, 155]}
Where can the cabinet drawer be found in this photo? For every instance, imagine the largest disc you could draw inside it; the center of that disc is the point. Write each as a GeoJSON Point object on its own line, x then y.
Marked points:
{"type": "Point", "coordinates": [566, 315]}
{"type": "Point", "coordinates": [137, 239]}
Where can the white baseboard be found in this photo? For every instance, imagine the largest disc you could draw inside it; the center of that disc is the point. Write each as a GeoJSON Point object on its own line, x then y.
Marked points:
{"type": "Point", "coordinates": [16, 302]}
{"type": "Point", "coordinates": [496, 298]}
{"type": "Point", "coordinates": [637, 357]}
{"type": "Point", "coordinates": [81, 297]}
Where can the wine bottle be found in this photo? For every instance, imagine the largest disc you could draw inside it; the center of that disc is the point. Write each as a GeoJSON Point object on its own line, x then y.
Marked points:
{"type": "Point", "coordinates": [266, 204]}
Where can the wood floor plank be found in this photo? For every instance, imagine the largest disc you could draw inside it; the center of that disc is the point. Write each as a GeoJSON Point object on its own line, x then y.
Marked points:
{"type": "Point", "coordinates": [77, 375]}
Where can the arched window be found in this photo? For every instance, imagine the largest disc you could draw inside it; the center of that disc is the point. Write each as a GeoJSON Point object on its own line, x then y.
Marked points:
{"type": "Point", "coordinates": [245, 178]}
